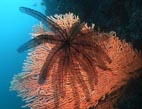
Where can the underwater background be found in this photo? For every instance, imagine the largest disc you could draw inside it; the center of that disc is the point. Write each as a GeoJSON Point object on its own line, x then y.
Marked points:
{"type": "Point", "coordinates": [123, 16]}
{"type": "Point", "coordinates": [15, 28]}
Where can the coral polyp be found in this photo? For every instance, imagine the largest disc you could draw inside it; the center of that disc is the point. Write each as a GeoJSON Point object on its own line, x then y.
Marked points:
{"type": "Point", "coordinates": [70, 66]}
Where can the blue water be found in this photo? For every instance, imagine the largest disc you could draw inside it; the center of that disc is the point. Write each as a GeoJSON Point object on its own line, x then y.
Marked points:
{"type": "Point", "coordinates": [14, 31]}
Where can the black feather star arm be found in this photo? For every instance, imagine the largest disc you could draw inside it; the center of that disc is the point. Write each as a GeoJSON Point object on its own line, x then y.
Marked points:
{"type": "Point", "coordinates": [35, 14]}
{"type": "Point", "coordinates": [45, 20]}
{"type": "Point", "coordinates": [36, 41]}
{"type": "Point", "coordinates": [50, 60]}
{"type": "Point", "coordinates": [76, 28]}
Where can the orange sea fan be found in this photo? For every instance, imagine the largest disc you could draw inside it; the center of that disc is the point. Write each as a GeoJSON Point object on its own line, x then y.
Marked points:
{"type": "Point", "coordinates": [125, 61]}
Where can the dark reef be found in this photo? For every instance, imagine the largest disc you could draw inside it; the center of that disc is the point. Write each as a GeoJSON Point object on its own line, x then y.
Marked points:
{"type": "Point", "coordinates": [122, 16]}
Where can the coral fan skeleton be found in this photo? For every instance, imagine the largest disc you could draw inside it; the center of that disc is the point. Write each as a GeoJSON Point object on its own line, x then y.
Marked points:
{"type": "Point", "coordinates": [69, 61]}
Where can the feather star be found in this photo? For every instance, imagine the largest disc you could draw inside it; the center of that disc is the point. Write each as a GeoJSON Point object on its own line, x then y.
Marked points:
{"type": "Point", "coordinates": [73, 51]}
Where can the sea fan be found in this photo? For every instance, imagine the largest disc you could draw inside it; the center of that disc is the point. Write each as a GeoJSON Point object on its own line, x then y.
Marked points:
{"type": "Point", "coordinates": [72, 51]}
{"type": "Point", "coordinates": [71, 66]}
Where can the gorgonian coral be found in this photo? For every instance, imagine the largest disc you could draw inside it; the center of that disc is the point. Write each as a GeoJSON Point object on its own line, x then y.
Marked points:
{"type": "Point", "coordinates": [70, 66]}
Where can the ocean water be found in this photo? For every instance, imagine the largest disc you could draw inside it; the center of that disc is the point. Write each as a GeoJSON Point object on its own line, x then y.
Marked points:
{"type": "Point", "coordinates": [15, 28]}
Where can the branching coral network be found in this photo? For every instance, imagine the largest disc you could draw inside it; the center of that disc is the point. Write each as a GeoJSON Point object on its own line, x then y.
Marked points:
{"type": "Point", "coordinates": [70, 66]}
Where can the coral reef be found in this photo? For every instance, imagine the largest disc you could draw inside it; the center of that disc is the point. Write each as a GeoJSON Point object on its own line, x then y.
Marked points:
{"type": "Point", "coordinates": [125, 62]}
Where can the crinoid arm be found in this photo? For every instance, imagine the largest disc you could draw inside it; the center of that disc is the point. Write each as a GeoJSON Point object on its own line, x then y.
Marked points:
{"type": "Point", "coordinates": [35, 14]}
{"type": "Point", "coordinates": [50, 60]}
{"type": "Point", "coordinates": [45, 20]}
{"type": "Point", "coordinates": [75, 29]}
{"type": "Point", "coordinates": [35, 42]}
